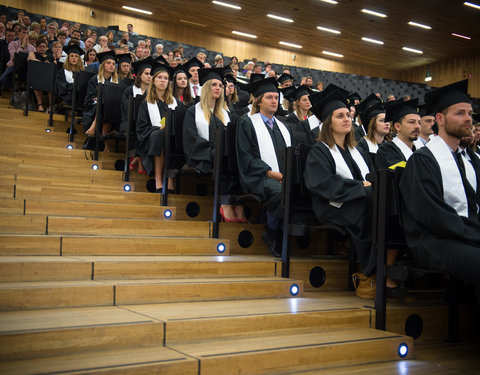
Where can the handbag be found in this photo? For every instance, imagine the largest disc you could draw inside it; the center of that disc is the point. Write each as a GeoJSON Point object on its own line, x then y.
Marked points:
{"type": "Point", "coordinates": [365, 286]}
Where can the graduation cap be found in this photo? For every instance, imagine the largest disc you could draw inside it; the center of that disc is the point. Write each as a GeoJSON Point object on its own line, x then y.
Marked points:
{"type": "Point", "coordinates": [140, 65]}
{"type": "Point", "coordinates": [284, 78]}
{"type": "Point", "coordinates": [229, 78]}
{"type": "Point", "coordinates": [354, 96]}
{"type": "Point", "coordinates": [124, 57]}
{"type": "Point", "coordinates": [103, 56]}
{"type": "Point", "coordinates": [192, 63]}
{"type": "Point", "coordinates": [205, 75]}
{"type": "Point", "coordinates": [367, 114]}
{"type": "Point", "coordinates": [399, 108]}
{"type": "Point", "coordinates": [256, 77]}
{"type": "Point", "coordinates": [328, 103]}
{"type": "Point", "coordinates": [439, 99]}
{"type": "Point", "coordinates": [422, 111]}
{"type": "Point", "coordinates": [73, 48]}
{"type": "Point", "coordinates": [179, 69]}
{"type": "Point", "coordinates": [263, 86]}
{"type": "Point", "coordinates": [319, 95]}
{"type": "Point", "coordinates": [158, 67]}
{"type": "Point", "coordinates": [161, 60]}
{"type": "Point", "coordinates": [227, 71]}
{"type": "Point", "coordinates": [287, 90]}
{"type": "Point", "coordinates": [298, 93]}
{"type": "Point", "coordinates": [368, 102]}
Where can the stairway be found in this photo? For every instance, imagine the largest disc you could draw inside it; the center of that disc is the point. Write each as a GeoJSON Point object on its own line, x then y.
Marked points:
{"type": "Point", "coordinates": [94, 279]}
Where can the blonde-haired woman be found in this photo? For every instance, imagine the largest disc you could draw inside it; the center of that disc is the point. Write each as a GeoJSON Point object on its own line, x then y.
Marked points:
{"type": "Point", "coordinates": [199, 125]}
{"type": "Point", "coordinates": [151, 123]}
{"type": "Point", "coordinates": [73, 64]}
{"type": "Point", "coordinates": [106, 73]}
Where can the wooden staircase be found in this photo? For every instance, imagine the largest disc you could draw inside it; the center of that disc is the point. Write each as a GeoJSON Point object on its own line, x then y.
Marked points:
{"type": "Point", "coordinates": [97, 280]}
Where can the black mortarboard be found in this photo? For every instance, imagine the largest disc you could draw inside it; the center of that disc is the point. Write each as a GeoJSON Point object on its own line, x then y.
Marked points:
{"type": "Point", "coordinates": [399, 108]}
{"type": "Point", "coordinates": [368, 102]}
{"type": "Point", "coordinates": [325, 105]}
{"type": "Point", "coordinates": [179, 68]}
{"type": "Point", "coordinates": [263, 86]}
{"type": "Point", "coordinates": [439, 99]}
{"type": "Point", "coordinates": [227, 71]}
{"type": "Point", "coordinates": [230, 78]}
{"type": "Point", "coordinates": [256, 77]}
{"type": "Point", "coordinates": [140, 65]}
{"type": "Point", "coordinates": [205, 75]}
{"type": "Point", "coordinates": [367, 114]}
{"type": "Point", "coordinates": [422, 111]}
{"type": "Point", "coordinates": [73, 48]}
{"type": "Point", "coordinates": [317, 96]}
{"type": "Point", "coordinates": [287, 91]}
{"type": "Point", "coordinates": [161, 60]}
{"type": "Point", "coordinates": [354, 96]}
{"type": "Point", "coordinates": [298, 93]}
{"type": "Point", "coordinates": [102, 56]}
{"type": "Point", "coordinates": [124, 57]}
{"type": "Point", "coordinates": [193, 62]}
{"type": "Point", "coordinates": [285, 77]}
{"type": "Point", "coordinates": [158, 67]}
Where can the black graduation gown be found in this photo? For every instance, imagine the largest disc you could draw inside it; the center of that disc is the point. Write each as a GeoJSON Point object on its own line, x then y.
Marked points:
{"type": "Point", "coordinates": [437, 236]}
{"type": "Point", "coordinates": [199, 153]}
{"type": "Point", "coordinates": [151, 139]}
{"type": "Point", "coordinates": [64, 89]}
{"type": "Point", "coordinates": [252, 169]}
{"type": "Point", "coordinates": [388, 154]}
{"type": "Point", "coordinates": [89, 105]}
{"type": "Point", "coordinates": [359, 133]}
{"type": "Point", "coordinates": [303, 133]}
{"type": "Point", "coordinates": [354, 215]}
{"type": "Point", "coordinates": [363, 147]}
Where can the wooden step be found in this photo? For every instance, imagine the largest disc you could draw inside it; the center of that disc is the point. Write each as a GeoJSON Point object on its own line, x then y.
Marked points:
{"type": "Point", "coordinates": [268, 355]}
{"type": "Point", "coordinates": [59, 294]}
{"type": "Point", "coordinates": [22, 224]}
{"type": "Point", "coordinates": [6, 191]}
{"type": "Point", "coordinates": [118, 227]}
{"type": "Point", "coordinates": [131, 361]}
{"type": "Point", "coordinates": [41, 160]}
{"type": "Point", "coordinates": [114, 245]}
{"type": "Point", "coordinates": [201, 321]}
{"type": "Point", "coordinates": [246, 238]}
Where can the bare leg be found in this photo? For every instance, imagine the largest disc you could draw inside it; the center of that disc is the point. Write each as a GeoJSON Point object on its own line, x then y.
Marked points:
{"type": "Point", "coordinates": [38, 97]}
{"type": "Point", "coordinates": [159, 161]}
{"type": "Point", "coordinates": [228, 212]}
{"type": "Point", "coordinates": [106, 129]}
{"type": "Point", "coordinates": [91, 130]}
{"type": "Point", "coordinates": [170, 183]}
{"type": "Point", "coordinates": [240, 212]}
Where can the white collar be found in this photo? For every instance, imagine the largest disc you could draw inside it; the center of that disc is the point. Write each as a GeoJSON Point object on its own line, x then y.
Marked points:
{"type": "Point", "coordinates": [406, 151]}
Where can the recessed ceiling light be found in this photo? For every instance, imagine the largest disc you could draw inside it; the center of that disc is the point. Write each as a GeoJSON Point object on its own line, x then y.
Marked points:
{"type": "Point", "coordinates": [373, 13]}
{"type": "Point", "coordinates": [412, 50]}
{"type": "Point", "coordinates": [330, 1]}
{"type": "Point", "coordinates": [279, 18]}
{"type": "Point", "coordinates": [411, 23]}
{"type": "Point", "coordinates": [137, 10]}
{"type": "Point", "coordinates": [461, 36]}
{"type": "Point", "coordinates": [332, 54]}
{"type": "Point", "coordinates": [193, 23]}
{"type": "Point", "coordinates": [228, 5]}
{"type": "Point", "coordinates": [476, 6]}
{"type": "Point", "coordinates": [290, 44]}
{"type": "Point", "coordinates": [244, 34]}
{"type": "Point", "coordinates": [372, 40]}
{"type": "Point", "coordinates": [333, 31]}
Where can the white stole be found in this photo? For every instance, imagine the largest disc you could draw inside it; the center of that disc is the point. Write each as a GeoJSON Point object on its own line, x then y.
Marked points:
{"type": "Point", "coordinates": [202, 124]}
{"type": "Point", "coordinates": [406, 151]}
{"type": "Point", "coordinates": [249, 113]}
{"type": "Point", "coordinates": [313, 122]}
{"type": "Point", "coordinates": [453, 189]}
{"type": "Point", "coordinates": [154, 113]}
{"type": "Point", "coordinates": [265, 143]}
{"type": "Point", "coordinates": [136, 91]}
{"type": "Point", "coordinates": [372, 147]}
{"type": "Point", "coordinates": [341, 167]}
{"type": "Point", "coordinates": [68, 75]}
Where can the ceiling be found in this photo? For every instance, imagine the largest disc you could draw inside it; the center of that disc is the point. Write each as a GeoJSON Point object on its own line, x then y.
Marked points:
{"type": "Point", "coordinates": [444, 16]}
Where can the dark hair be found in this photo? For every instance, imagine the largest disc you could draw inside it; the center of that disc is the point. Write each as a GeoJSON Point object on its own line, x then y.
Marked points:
{"type": "Point", "coordinates": [187, 94]}
{"type": "Point", "coordinates": [326, 134]}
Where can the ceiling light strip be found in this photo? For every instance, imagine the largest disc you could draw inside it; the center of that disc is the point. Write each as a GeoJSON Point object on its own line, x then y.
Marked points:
{"type": "Point", "coordinates": [426, 27]}
{"type": "Point", "coordinates": [228, 5]}
{"type": "Point", "coordinates": [332, 54]}
{"type": "Point", "coordinates": [461, 36]}
{"type": "Point", "coordinates": [333, 31]}
{"type": "Point", "coordinates": [137, 10]}
{"type": "Point", "coordinates": [279, 18]}
{"type": "Point", "coordinates": [330, 1]}
{"type": "Point", "coordinates": [476, 6]}
{"type": "Point", "coordinates": [412, 50]}
{"type": "Point", "coordinates": [373, 13]}
{"type": "Point", "coordinates": [290, 45]}
{"type": "Point", "coordinates": [243, 34]}
{"type": "Point", "coordinates": [370, 40]}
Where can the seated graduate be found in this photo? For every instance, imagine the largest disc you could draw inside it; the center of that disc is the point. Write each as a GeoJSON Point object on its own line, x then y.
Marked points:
{"type": "Point", "coordinates": [199, 125]}
{"type": "Point", "coordinates": [259, 138]}
{"type": "Point", "coordinates": [192, 67]}
{"type": "Point", "coordinates": [181, 88]}
{"type": "Point", "coordinates": [378, 131]}
{"type": "Point", "coordinates": [406, 121]}
{"type": "Point", "coordinates": [41, 55]}
{"type": "Point", "coordinates": [124, 68]}
{"type": "Point", "coordinates": [335, 174]}
{"type": "Point", "coordinates": [361, 130]}
{"type": "Point", "coordinates": [476, 142]}
{"type": "Point", "coordinates": [107, 72]}
{"type": "Point", "coordinates": [301, 105]}
{"type": "Point", "coordinates": [151, 123]}
{"type": "Point", "coordinates": [441, 195]}
{"type": "Point", "coordinates": [73, 64]}
{"type": "Point", "coordinates": [142, 71]}
{"type": "Point", "coordinates": [285, 80]}
{"type": "Point", "coordinates": [235, 106]}
{"type": "Point", "coordinates": [426, 132]}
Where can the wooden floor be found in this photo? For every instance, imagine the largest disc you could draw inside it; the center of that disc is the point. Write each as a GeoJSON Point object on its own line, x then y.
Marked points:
{"type": "Point", "coordinates": [97, 280]}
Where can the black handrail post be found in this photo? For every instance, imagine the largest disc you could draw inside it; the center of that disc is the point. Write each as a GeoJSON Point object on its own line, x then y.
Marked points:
{"type": "Point", "coordinates": [217, 169]}
{"type": "Point", "coordinates": [52, 97]}
{"type": "Point", "coordinates": [166, 155]}
{"type": "Point", "coordinates": [287, 188]}
{"type": "Point", "coordinates": [98, 120]}
{"type": "Point", "coordinates": [126, 167]}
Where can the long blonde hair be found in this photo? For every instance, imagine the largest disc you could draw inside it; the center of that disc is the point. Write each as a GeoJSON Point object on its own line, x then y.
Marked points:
{"type": "Point", "coordinates": [101, 73]}
{"type": "Point", "coordinates": [74, 68]}
{"type": "Point", "coordinates": [205, 99]}
{"type": "Point", "coordinates": [152, 96]}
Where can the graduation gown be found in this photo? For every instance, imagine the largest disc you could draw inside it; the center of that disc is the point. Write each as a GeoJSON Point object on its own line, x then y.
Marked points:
{"type": "Point", "coordinates": [327, 188]}
{"type": "Point", "coordinates": [365, 149]}
{"type": "Point", "coordinates": [438, 237]}
{"type": "Point", "coordinates": [309, 135]}
{"type": "Point", "coordinates": [252, 169]}
{"type": "Point", "coordinates": [90, 105]}
{"type": "Point", "coordinates": [151, 139]}
{"type": "Point", "coordinates": [64, 89]}
{"type": "Point", "coordinates": [199, 153]}
{"type": "Point", "coordinates": [359, 132]}
{"type": "Point", "coordinates": [389, 154]}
